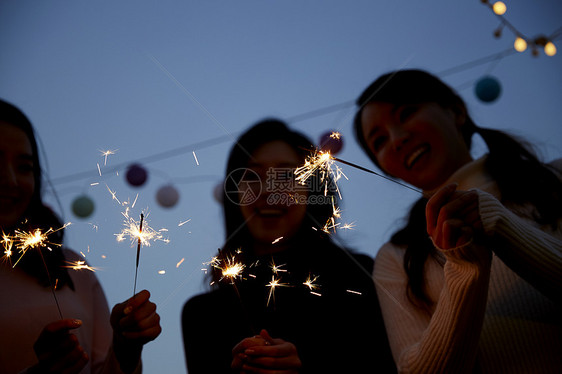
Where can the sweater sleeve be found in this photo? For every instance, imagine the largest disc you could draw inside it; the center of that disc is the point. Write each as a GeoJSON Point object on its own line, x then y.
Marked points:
{"type": "Point", "coordinates": [445, 339]}
{"type": "Point", "coordinates": [532, 252]}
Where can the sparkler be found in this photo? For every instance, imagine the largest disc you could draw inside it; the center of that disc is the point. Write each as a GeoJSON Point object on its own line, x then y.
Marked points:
{"type": "Point", "coordinates": [138, 253]}
{"type": "Point", "coordinates": [140, 233]}
{"type": "Point", "coordinates": [23, 241]}
{"type": "Point", "coordinates": [325, 162]}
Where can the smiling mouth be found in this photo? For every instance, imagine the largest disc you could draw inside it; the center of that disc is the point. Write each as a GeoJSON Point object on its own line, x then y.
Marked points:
{"type": "Point", "coordinates": [270, 212]}
{"type": "Point", "coordinates": [415, 156]}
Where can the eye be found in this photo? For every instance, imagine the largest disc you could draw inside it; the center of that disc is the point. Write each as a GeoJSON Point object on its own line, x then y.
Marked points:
{"type": "Point", "coordinates": [406, 112]}
{"type": "Point", "coordinates": [25, 167]}
{"type": "Point", "coordinates": [378, 142]}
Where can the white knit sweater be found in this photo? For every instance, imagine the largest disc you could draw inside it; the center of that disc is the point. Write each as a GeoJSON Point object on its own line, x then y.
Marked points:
{"type": "Point", "coordinates": [486, 317]}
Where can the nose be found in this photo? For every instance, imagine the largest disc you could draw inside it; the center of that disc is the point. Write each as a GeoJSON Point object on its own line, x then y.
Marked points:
{"type": "Point", "coordinates": [398, 136]}
{"type": "Point", "coordinates": [8, 176]}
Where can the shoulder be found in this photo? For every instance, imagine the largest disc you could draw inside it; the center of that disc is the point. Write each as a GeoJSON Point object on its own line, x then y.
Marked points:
{"type": "Point", "coordinates": [205, 303]}
{"type": "Point", "coordinates": [556, 166]}
{"type": "Point", "coordinates": [346, 256]}
{"type": "Point", "coordinates": [390, 258]}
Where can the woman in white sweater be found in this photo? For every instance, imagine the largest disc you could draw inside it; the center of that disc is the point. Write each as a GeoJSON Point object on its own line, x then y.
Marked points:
{"type": "Point", "coordinates": [472, 282]}
{"type": "Point", "coordinates": [34, 336]}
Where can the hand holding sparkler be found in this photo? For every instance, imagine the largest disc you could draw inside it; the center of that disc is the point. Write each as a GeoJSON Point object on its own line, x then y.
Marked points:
{"type": "Point", "coordinates": [264, 352]}
{"type": "Point", "coordinates": [135, 323]}
{"type": "Point", "coordinates": [57, 350]}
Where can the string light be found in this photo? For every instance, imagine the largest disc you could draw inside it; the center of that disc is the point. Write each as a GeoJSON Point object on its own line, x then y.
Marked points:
{"type": "Point", "coordinates": [521, 41]}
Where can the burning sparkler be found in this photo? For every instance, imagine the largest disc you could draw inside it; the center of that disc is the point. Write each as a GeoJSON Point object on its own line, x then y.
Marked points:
{"type": "Point", "coordinates": [140, 233]}
{"type": "Point", "coordinates": [36, 239]}
{"type": "Point", "coordinates": [323, 162]}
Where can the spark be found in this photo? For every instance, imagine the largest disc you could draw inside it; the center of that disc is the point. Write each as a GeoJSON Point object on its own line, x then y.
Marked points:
{"type": "Point", "coordinates": [183, 223]}
{"type": "Point", "coordinates": [99, 170]}
{"type": "Point", "coordinates": [79, 265]}
{"type": "Point", "coordinates": [113, 194]}
{"type": "Point", "coordinates": [162, 272]}
{"type": "Point", "coordinates": [355, 292]}
{"type": "Point", "coordinates": [348, 226]}
{"type": "Point", "coordinates": [135, 201]}
{"type": "Point", "coordinates": [335, 135]}
{"type": "Point", "coordinates": [180, 262]}
{"type": "Point", "coordinates": [104, 154]}
{"type": "Point", "coordinates": [195, 157]}
{"type": "Point", "coordinates": [277, 240]}
{"type": "Point", "coordinates": [94, 183]}
{"type": "Point", "coordinates": [310, 282]}
{"type": "Point", "coordinates": [331, 222]}
{"type": "Point", "coordinates": [275, 282]}
{"type": "Point", "coordinates": [277, 268]}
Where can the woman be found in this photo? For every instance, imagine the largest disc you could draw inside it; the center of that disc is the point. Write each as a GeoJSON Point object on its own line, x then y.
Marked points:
{"type": "Point", "coordinates": [274, 228]}
{"type": "Point", "coordinates": [472, 282]}
{"type": "Point", "coordinates": [35, 338]}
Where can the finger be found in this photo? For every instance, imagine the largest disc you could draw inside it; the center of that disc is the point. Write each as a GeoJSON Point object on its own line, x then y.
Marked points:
{"type": "Point", "coordinates": [277, 350]}
{"type": "Point", "coordinates": [452, 231]}
{"type": "Point", "coordinates": [138, 317]}
{"type": "Point", "coordinates": [136, 301]}
{"type": "Point", "coordinates": [72, 362]}
{"type": "Point", "coordinates": [54, 334]}
{"type": "Point", "coordinates": [247, 343]}
{"type": "Point", "coordinates": [265, 335]}
{"type": "Point", "coordinates": [144, 336]}
{"type": "Point", "coordinates": [62, 325]}
{"type": "Point", "coordinates": [61, 355]}
{"type": "Point", "coordinates": [435, 203]}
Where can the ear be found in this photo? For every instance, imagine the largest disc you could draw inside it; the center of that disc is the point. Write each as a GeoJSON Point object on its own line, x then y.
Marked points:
{"type": "Point", "coordinates": [460, 114]}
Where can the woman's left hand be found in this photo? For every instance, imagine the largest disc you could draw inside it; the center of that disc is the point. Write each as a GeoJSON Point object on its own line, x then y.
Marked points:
{"type": "Point", "coordinates": [135, 323]}
{"type": "Point", "coordinates": [453, 217]}
{"type": "Point", "coordinates": [275, 356]}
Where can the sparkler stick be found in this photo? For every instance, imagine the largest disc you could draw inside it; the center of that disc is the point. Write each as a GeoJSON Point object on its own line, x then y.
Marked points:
{"type": "Point", "coordinates": [138, 254]}
{"type": "Point", "coordinates": [51, 283]}
{"type": "Point", "coordinates": [374, 172]}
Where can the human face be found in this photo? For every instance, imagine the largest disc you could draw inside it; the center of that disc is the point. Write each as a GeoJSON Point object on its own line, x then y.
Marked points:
{"type": "Point", "coordinates": [420, 143]}
{"type": "Point", "coordinates": [17, 182]}
{"type": "Point", "coordinates": [276, 218]}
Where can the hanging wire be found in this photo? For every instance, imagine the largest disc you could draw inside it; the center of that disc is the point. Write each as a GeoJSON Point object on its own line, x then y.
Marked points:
{"type": "Point", "coordinates": [496, 57]}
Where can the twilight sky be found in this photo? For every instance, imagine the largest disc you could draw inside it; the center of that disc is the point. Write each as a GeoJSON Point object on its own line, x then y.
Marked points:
{"type": "Point", "coordinates": [156, 81]}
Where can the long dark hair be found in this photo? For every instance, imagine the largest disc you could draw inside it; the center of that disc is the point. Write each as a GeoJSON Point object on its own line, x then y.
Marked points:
{"type": "Point", "coordinates": [519, 174]}
{"type": "Point", "coordinates": [237, 233]}
{"type": "Point", "coordinates": [38, 215]}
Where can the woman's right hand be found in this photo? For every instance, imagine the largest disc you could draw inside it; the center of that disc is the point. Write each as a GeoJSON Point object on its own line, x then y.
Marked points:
{"type": "Point", "coordinates": [453, 217]}
{"type": "Point", "coordinates": [59, 351]}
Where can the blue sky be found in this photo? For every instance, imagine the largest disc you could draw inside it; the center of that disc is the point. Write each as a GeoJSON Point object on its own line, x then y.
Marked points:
{"type": "Point", "coordinates": [147, 77]}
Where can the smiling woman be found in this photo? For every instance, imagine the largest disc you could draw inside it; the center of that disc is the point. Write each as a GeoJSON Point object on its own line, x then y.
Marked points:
{"type": "Point", "coordinates": [278, 272]}
{"type": "Point", "coordinates": [35, 339]}
{"type": "Point", "coordinates": [472, 282]}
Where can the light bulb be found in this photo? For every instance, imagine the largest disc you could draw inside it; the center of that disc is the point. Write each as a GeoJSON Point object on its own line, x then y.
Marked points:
{"type": "Point", "coordinates": [520, 44]}
{"type": "Point", "coordinates": [550, 49]}
{"type": "Point", "coordinates": [499, 8]}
